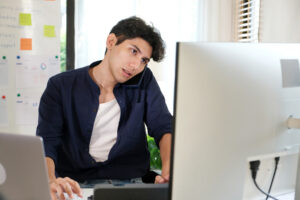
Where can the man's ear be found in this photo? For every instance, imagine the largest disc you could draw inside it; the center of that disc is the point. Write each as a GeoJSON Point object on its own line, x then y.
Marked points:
{"type": "Point", "coordinates": [111, 41]}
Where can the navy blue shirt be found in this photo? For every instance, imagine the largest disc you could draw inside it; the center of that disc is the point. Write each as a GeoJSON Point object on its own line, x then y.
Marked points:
{"type": "Point", "coordinates": [67, 112]}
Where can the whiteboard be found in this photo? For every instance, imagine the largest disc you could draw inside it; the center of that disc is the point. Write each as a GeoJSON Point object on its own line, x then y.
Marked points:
{"type": "Point", "coordinates": [29, 55]}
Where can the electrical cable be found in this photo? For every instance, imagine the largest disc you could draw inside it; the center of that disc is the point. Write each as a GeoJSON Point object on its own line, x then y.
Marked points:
{"type": "Point", "coordinates": [254, 165]}
{"type": "Point", "coordinates": [263, 191]}
{"type": "Point", "coordinates": [273, 177]}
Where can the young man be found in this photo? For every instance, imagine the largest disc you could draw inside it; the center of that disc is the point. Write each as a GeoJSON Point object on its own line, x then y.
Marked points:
{"type": "Point", "coordinates": [92, 119]}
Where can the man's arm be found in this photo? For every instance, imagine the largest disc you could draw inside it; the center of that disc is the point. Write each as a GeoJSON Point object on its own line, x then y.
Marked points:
{"type": "Point", "coordinates": [165, 154]}
{"type": "Point", "coordinates": [51, 169]}
{"type": "Point", "coordinates": [60, 185]}
{"type": "Point", "coordinates": [159, 124]}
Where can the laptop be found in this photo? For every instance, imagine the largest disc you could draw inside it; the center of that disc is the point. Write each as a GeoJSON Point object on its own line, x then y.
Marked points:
{"type": "Point", "coordinates": [23, 175]}
{"type": "Point", "coordinates": [131, 192]}
{"type": "Point", "coordinates": [23, 172]}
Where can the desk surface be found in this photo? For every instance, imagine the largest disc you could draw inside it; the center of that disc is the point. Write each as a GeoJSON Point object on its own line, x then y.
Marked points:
{"type": "Point", "coordinates": [289, 196]}
{"type": "Point", "coordinates": [87, 192]}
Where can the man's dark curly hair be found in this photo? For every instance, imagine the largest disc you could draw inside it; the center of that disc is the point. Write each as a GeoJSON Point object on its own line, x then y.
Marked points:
{"type": "Point", "coordinates": [134, 27]}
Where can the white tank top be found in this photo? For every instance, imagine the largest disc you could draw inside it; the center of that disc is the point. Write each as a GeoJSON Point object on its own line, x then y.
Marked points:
{"type": "Point", "coordinates": [104, 134]}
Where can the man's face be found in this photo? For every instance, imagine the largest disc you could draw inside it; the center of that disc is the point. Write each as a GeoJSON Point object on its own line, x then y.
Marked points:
{"type": "Point", "coordinates": [128, 58]}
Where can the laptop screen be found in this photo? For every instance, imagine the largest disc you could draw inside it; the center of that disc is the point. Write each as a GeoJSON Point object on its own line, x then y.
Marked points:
{"type": "Point", "coordinates": [23, 172]}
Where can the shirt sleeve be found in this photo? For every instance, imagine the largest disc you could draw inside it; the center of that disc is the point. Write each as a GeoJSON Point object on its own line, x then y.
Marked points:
{"type": "Point", "coordinates": [158, 117]}
{"type": "Point", "coordinates": [50, 121]}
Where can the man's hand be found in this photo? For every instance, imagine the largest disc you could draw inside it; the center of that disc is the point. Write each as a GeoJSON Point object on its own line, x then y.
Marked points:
{"type": "Point", "coordinates": [161, 179]}
{"type": "Point", "coordinates": [60, 186]}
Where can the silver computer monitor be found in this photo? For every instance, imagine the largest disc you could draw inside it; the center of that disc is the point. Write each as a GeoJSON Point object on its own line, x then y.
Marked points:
{"type": "Point", "coordinates": [232, 101]}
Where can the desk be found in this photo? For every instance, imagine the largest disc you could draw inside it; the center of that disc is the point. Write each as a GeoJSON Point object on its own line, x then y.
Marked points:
{"type": "Point", "coordinates": [288, 196]}
{"type": "Point", "coordinates": [87, 192]}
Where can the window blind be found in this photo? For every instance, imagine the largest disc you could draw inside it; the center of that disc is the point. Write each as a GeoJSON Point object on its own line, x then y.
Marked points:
{"type": "Point", "coordinates": [247, 20]}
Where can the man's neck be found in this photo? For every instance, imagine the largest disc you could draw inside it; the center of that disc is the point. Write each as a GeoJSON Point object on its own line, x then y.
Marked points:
{"type": "Point", "coordinates": [103, 77]}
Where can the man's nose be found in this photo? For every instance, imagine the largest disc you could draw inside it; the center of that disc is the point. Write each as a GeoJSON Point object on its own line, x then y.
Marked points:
{"type": "Point", "coordinates": [134, 64]}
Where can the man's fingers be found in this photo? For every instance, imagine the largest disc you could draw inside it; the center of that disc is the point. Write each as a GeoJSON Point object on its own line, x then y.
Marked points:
{"type": "Point", "coordinates": [75, 186]}
{"type": "Point", "coordinates": [160, 179]}
{"type": "Point", "coordinates": [54, 190]}
{"type": "Point", "coordinates": [60, 193]}
{"type": "Point", "coordinates": [53, 196]}
{"type": "Point", "coordinates": [167, 178]}
{"type": "Point", "coordinates": [66, 187]}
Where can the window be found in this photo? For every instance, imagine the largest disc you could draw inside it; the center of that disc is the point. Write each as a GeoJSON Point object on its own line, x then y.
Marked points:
{"type": "Point", "coordinates": [177, 20]}
{"type": "Point", "coordinates": [247, 20]}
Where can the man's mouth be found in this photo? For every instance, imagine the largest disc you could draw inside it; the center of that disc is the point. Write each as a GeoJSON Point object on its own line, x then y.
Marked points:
{"type": "Point", "coordinates": [126, 73]}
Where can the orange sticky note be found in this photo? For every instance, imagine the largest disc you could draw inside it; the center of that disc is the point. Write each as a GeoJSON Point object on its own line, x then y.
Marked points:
{"type": "Point", "coordinates": [26, 44]}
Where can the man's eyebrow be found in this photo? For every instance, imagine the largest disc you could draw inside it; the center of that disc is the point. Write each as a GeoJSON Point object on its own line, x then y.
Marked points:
{"type": "Point", "coordinates": [138, 49]}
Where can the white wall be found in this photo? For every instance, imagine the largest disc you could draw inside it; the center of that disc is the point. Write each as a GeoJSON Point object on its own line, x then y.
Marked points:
{"type": "Point", "coordinates": [280, 21]}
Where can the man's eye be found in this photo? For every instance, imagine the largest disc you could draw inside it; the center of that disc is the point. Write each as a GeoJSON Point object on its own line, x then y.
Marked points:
{"type": "Point", "coordinates": [133, 51]}
{"type": "Point", "coordinates": [144, 61]}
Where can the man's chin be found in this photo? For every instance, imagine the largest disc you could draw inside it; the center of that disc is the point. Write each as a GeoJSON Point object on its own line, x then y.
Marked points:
{"type": "Point", "coordinates": [124, 80]}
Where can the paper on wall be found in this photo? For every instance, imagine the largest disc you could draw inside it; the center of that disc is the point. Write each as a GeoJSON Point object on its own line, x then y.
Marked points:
{"type": "Point", "coordinates": [27, 103]}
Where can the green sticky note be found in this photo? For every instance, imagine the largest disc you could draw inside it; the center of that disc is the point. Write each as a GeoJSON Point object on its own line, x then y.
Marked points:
{"type": "Point", "coordinates": [25, 19]}
{"type": "Point", "coordinates": [49, 31]}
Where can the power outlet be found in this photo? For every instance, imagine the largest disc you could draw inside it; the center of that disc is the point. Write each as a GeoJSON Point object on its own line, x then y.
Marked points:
{"type": "Point", "coordinates": [285, 178]}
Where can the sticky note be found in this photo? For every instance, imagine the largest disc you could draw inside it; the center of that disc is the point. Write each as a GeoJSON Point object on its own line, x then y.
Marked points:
{"type": "Point", "coordinates": [49, 31]}
{"type": "Point", "coordinates": [26, 44]}
{"type": "Point", "coordinates": [25, 19]}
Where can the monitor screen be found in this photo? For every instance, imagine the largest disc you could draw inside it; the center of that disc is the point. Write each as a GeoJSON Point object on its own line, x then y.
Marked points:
{"type": "Point", "coordinates": [232, 101]}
